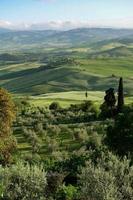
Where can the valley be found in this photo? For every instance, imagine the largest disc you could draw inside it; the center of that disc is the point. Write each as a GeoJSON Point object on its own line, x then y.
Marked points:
{"type": "Point", "coordinates": [83, 65]}
{"type": "Point", "coordinates": [66, 110]}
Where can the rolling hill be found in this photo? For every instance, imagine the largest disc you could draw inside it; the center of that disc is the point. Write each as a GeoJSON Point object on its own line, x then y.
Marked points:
{"type": "Point", "coordinates": [39, 62]}
{"type": "Point", "coordinates": [116, 52]}
{"type": "Point", "coordinates": [93, 75]}
{"type": "Point", "coordinates": [10, 40]}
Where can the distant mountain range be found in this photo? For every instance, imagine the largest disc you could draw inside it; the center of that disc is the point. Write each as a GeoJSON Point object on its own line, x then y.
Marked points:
{"type": "Point", "coordinates": [50, 38]}
{"type": "Point", "coordinates": [4, 30]}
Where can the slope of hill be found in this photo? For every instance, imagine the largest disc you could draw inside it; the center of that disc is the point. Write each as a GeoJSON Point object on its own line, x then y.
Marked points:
{"type": "Point", "coordinates": [116, 52]}
{"type": "Point", "coordinates": [81, 74]}
{"type": "Point", "coordinates": [75, 37]}
{"type": "Point", "coordinates": [75, 60]}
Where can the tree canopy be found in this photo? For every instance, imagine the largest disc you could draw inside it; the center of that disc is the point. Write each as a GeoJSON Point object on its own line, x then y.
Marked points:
{"type": "Point", "coordinates": [7, 115]}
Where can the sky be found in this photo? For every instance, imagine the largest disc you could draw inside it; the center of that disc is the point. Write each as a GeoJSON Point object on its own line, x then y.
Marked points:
{"type": "Point", "coordinates": [65, 14]}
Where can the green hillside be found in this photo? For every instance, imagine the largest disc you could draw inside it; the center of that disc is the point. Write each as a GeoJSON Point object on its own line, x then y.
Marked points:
{"type": "Point", "coordinates": [114, 52]}
{"type": "Point", "coordinates": [39, 62]}
{"type": "Point", "coordinates": [34, 78]}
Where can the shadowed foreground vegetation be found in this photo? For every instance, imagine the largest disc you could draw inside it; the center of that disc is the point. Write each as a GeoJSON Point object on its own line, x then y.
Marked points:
{"type": "Point", "coordinates": [77, 152]}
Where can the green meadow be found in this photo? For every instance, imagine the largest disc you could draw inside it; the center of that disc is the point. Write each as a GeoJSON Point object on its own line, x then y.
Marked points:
{"type": "Point", "coordinates": [67, 98]}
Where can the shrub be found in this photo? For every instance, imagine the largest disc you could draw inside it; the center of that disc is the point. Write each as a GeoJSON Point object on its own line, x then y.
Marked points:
{"type": "Point", "coordinates": [53, 129]}
{"type": "Point", "coordinates": [88, 106]}
{"type": "Point", "coordinates": [52, 144]}
{"type": "Point", "coordinates": [38, 127]}
{"type": "Point", "coordinates": [67, 193]}
{"type": "Point", "coordinates": [94, 141]}
{"type": "Point", "coordinates": [54, 181]}
{"type": "Point", "coordinates": [32, 138]}
{"type": "Point", "coordinates": [54, 106]}
{"type": "Point", "coordinates": [97, 184]}
{"type": "Point", "coordinates": [108, 178]}
{"type": "Point", "coordinates": [32, 158]}
{"type": "Point", "coordinates": [59, 155]}
{"type": "Point", "coordinates": [80, 134]}
{"type": "Point", "coordinates": [23, 182]}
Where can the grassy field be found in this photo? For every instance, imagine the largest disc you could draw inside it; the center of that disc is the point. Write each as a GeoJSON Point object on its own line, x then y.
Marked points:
{"type": "Point", "coordinates": [67, 98]}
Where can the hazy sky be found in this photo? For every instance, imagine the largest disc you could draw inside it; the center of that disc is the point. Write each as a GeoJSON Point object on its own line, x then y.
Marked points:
{"type": "Point", "coordinates": [117, 13]}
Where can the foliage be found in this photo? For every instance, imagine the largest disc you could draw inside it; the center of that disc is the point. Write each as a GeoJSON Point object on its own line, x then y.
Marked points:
{"type": "Point", "coordinates": [67, 193]}
{"type": "Point", "coordinates": [80, 134]}
{"type": "Point", "coordinates": [94, 141]}
{"type": "Point", "coordinates": [120, 95]}
{"type": "Point", "coordinates": [22, 181]}
{"type": "Point", "coordinates": [54, 182]}
{"type": "Point", "coordinates": [119, 136]}
{"type": "Point", "coordinates": [7, 115]}
{"type": "Point", "coordinates": [7, 112]}
{"type": "Point", "coordinates": [108, 107]}
{"type": "Point", "coordinates": [32, 137]}
{"type": "Point", "coordinates": [54, 106]}
{"type": "Point", "coordinates": [66, 139]}
{"type": "Point", "coordinates": [110, 179]}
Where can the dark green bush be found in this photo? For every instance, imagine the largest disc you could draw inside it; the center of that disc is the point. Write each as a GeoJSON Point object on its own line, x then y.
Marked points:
{"type": "Point", "coordinates": [54, 106]}
{"type": "Point", "coordinates": [67, 193]}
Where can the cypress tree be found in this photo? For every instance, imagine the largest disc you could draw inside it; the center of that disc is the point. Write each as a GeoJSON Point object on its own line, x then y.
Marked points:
{"type": "Point", "coordinates": [109, 98]}
{"type": "Point", "coordinates": [86, 94]}
{"type": "Point", "coordinates": [108, 108]}
{"type": "Point", "coordinates": [120, 95]}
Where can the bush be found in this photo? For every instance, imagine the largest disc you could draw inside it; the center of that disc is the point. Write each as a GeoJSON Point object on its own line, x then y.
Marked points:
{"type": "Point", "coordinates": [97, 184]}
{"type": "Point", "coordinates": [31, 158]}
{"type": "Point", "coordinates": [33, 139]}
{"type": "Point", "coordinates": [54, 181]}
{"type": "Point", "coordinates": [23, 182]}
{"type": "Point", "coordinates": [80, 134]}
{"type": "Point", "coordinates": [52, 144]}
{"type": "Point", "coordinates": [94, 141]}
{"type": "Point", "coordinates": [38, 127]}
{"type": "Point", "coordinates": [53, 129]}
{"type": "Point", "coordinates": [110, 179]}
{"type": "Point", "coordinates": [88, 106]}
{"type": "Point", "coordinates": [54, 106]}
{"type": "Point", "coordinates": [67, 193]}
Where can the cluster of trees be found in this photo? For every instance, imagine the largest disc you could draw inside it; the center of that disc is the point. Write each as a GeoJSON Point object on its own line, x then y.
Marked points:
{"type": "Point", "coordinates": [109, 108]}
{"type": "Point", "coordinates": [57, 62]}
{"type": "Point", "coordinates": [119, 136]}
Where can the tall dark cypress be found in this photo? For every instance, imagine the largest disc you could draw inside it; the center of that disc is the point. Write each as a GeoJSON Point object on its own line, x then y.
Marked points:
{"type": "Point", "coordinates": [120, 95]}
{"type": "Point", "coordinates": [86, 94]}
